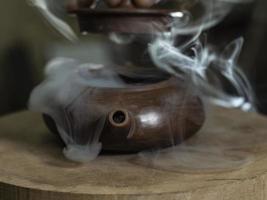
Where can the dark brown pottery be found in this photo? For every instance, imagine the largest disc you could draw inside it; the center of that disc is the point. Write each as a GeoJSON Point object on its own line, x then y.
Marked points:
{"type": "Point", "coordinates": [145, 114]}
{"type": "Point", "coordinates": [136, 118]}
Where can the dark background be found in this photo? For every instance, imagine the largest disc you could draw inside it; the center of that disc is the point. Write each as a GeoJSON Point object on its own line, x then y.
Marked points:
{"type": "Point", "coordinates": [26, 39]}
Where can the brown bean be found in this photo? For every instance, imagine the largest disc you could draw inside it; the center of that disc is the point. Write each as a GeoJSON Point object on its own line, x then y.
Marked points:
{"type": "Point", "coordinates": [113, 3]}
{"type": "Point", "coordinates": [145, 3]}
{"type": "Point", "coordinates": [85, 3]}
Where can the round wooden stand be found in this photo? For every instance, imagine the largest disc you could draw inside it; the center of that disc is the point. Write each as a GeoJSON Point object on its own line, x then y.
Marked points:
{"type": "Point", "coordinates": [231, 165]}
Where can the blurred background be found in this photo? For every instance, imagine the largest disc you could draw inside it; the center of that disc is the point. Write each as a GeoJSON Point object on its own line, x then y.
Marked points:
{"type": "Point", "coordinates": [27, 42]}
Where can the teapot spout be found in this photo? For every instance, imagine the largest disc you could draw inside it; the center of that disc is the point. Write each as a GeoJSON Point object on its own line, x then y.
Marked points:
{"type": "Point", "coordinates": [118, 130]}
{"type": "Point", "coordinates": [120, 122]}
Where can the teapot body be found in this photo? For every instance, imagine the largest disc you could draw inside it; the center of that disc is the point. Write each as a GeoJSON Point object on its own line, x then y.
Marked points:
{"type": "Point", "coordinates": [133, 119]}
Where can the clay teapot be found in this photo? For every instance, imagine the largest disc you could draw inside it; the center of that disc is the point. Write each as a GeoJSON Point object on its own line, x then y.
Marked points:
{"type": "Point", "coordinates": [136, 118]}
{"type": "Point", "coordinates": [148, 114]}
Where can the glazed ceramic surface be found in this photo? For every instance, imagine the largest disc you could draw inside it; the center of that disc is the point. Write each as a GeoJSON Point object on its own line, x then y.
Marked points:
{"type": "Point", "coordinates": [136, 118]}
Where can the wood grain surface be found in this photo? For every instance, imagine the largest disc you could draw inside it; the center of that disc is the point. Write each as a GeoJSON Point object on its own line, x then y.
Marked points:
{"type": "Point", "coordinates": [227, 160]}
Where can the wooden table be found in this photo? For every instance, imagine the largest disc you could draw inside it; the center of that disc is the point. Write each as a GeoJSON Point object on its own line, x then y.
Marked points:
{"type": "Point", "coordinates": [227, 160]}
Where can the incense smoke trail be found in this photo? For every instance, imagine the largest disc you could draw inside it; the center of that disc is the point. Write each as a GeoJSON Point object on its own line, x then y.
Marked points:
{"type": "Point", "coordinates": [200, 65]}
{"type": "Point", "coordinates": [52, 10]}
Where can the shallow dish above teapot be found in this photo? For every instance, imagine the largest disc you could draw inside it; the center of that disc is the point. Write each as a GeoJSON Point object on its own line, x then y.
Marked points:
{"type": "Point", "coordinates": [133, 16]}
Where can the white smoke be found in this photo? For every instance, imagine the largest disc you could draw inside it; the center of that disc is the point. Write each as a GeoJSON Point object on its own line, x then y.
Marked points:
{"type": "Point", "coordinates": [67, 80]}
{"type": "Point", "coordinates": [199, 64]}
{"type": "Point", "coordinates": [52, 10]}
